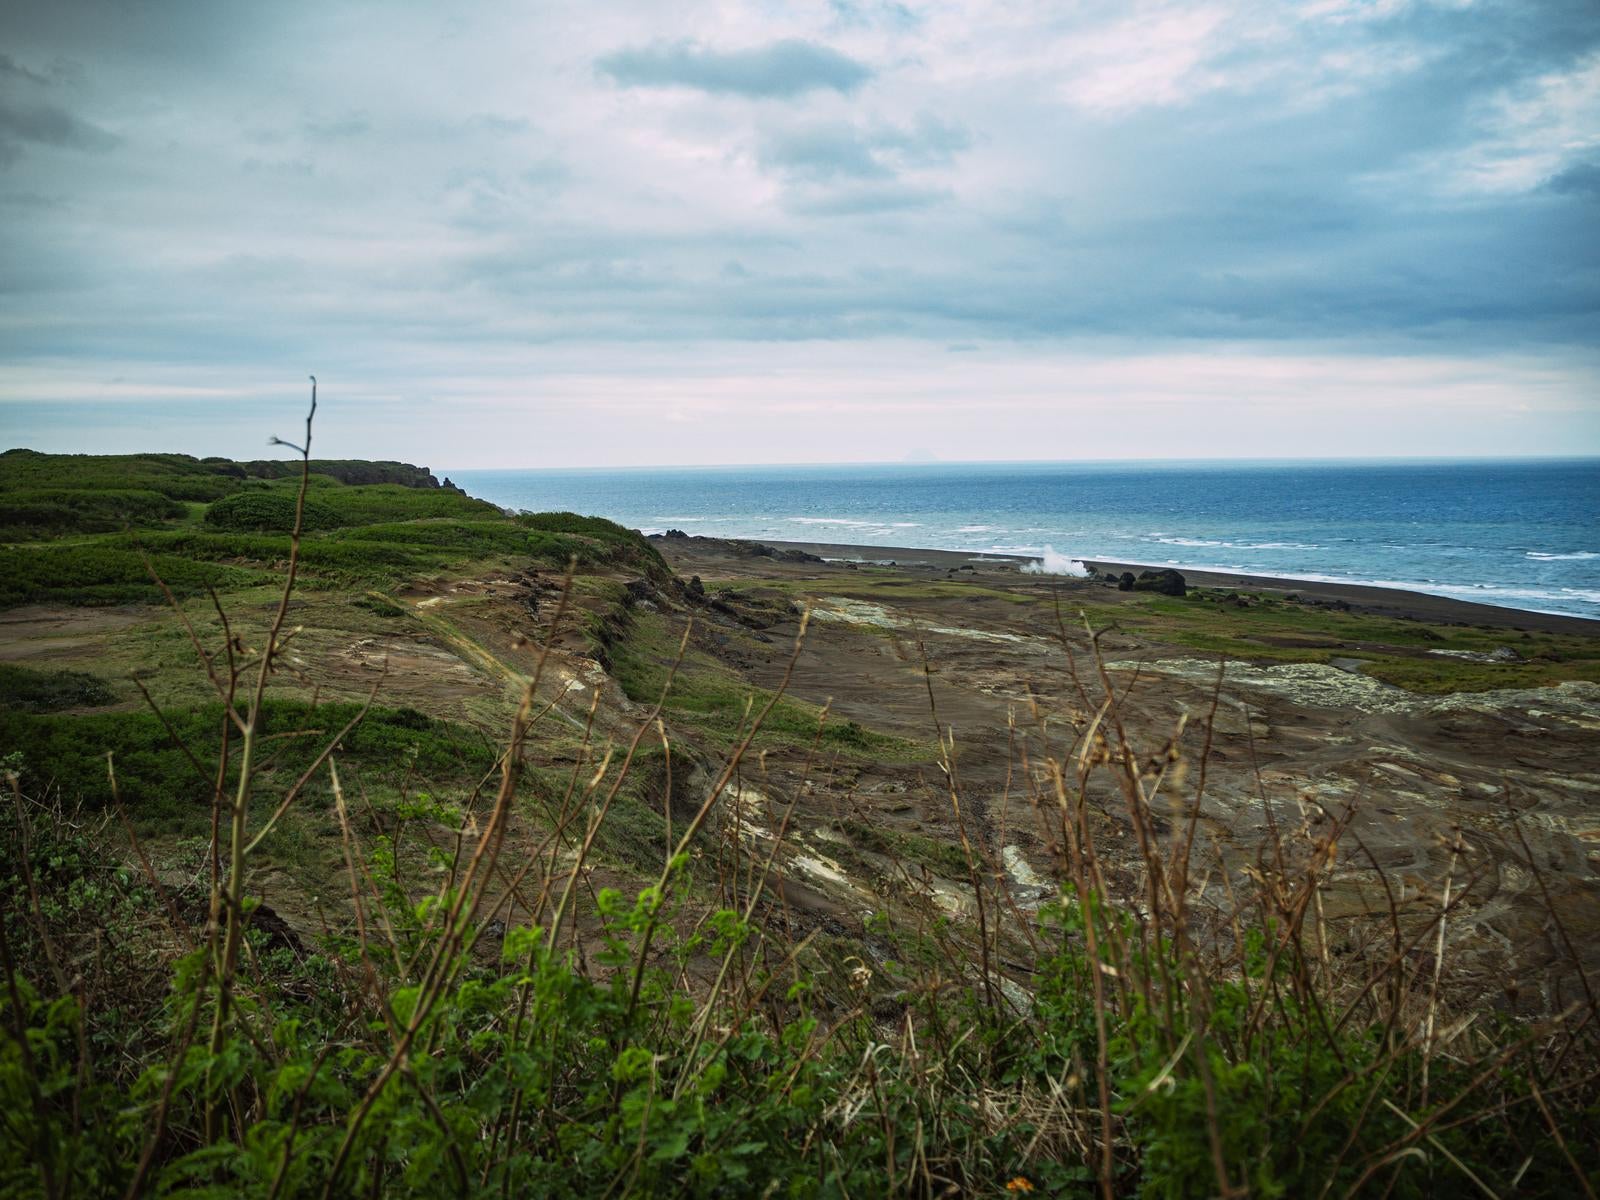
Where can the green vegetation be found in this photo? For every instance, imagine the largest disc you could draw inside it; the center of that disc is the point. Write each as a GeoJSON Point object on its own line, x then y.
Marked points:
{"type": "Point", "coordinates": [181, 477]}
{"type": "Point", "coordinates": [1404, 653]}
{"type": "Point", "coordinates": [634, 832]}
{"type": "Point", "coordinates": [215, 524]}
{"type": "Point", "coordinates": [1265, 629]}
{"type": "Point", "coordinates": [110, 571]}
{"type": "Point", "coordinates": [1441, 676]}
{"type": "Point", "coordinates": [941, 857]}
{"type": "Point", "coordinates": [701, 1052]}
{"type": "Point", "coordinates": [154, 757]}
{"type": "Point", "coordinates": [27, 690]}
{"type": "Point", "coordinates": [267, 512]}
{"type": "Point", "coordinates": [28, 513]}
{"type": "Point", "coordinates": [710, 700]}
{"type": "Point", "coordinates": [379, 607]}
{"type": "Point", "coordinates": [175, 476]}
{"type": "Point", "coordinates": [593, 541]}
{"type": "Point", "coordinates": [371, 504]}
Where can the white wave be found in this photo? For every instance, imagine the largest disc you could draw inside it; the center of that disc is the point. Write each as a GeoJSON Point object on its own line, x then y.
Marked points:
{"type": "Point", "coordinates": [1213, 543]}
{"type": "Point", "coordinates": [1577, 555]}
{"type": "Point", "coordinates": [835, 521]}
{"type": "Point", "coordinates": [1056, 564]}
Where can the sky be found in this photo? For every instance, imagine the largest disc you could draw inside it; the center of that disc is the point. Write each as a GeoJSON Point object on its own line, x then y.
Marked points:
{"type": "Point", "coordinates": [602, 234]}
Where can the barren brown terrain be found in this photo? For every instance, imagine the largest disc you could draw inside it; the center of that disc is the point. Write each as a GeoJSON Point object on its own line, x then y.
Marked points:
{"type": "Point", "coordinates": [1496, 789]}
{"type": "Point", "coordinates": [1276, 716]}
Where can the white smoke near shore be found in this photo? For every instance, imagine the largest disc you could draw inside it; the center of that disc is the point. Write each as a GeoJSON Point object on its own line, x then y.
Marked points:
{"type": "Point", "coordinates": [1056, 564]}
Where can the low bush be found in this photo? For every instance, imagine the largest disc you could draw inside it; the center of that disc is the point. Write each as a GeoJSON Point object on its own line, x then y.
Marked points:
{"type": "Point", "coordinates": [267, 512]}
{"type": "Point", "coordinates": [40, 512]}
{"type": "Point", "coordinates": [27, 690]}
{"type": "Point", "coordinates": [1131, 1063]}
{"type": "Point", "coordinates": [175, 476]}
{"type": "Point", "coordinates": [466, 538]}
{"type": "Point", "coordinates": [626, 544]}
{"type": "Point", "coordinates": [107, 571]}
{"type": "Point", "coordinates": [347, 558]}
{"type": "Point", "coordinates": [65, 756]}
{"type": "Point", "coordinates": [372, 504]}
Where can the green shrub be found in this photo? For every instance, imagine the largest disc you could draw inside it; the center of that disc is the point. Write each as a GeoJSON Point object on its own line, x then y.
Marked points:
{"type": "Point", "coordinates": [372, 504]}
{"type": "Point", "coordinates": [330, 550]}
{"type": "Point", "coordinates": [49, 691]}
{"type": "Point", "coordinates": [176, 476]}
{"type": "Point", "coordinates": [105, 572]}
{"type": "Point", "coordinates": [337, 470]}
{"type": "Point", "coordinates": [620, 543]}
{"type": "Point", "coordinates": [474, 538]}
{"type": "Point", "coordinates": [66, 755]}
{"type": "Point", "coordinates": [39, 512]}
{"type": "Point", "coordinates": [267, 512]}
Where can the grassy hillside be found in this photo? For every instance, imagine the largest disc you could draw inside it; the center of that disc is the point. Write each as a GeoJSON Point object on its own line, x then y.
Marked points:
{"type": "Point", "coordinates": [90, 529]}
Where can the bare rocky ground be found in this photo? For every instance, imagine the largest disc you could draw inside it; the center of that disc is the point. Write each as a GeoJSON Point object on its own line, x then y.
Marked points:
{"type": "Point", "coordinates": [1495, 794]}
{"type": "Point", "coordinates": [1497, 791]}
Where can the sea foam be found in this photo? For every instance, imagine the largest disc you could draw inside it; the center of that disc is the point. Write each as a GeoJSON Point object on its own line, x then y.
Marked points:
{"type": "Point", "coordinates": [1056, 564]}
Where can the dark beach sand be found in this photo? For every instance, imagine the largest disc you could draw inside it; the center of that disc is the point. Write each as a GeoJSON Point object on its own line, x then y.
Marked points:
{"type": "Point", "coordinates": [1389, 602]}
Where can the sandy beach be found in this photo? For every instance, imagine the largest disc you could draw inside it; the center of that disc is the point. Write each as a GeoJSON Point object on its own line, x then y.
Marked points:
{"type": "Point", "coordinates": [1389, 602]}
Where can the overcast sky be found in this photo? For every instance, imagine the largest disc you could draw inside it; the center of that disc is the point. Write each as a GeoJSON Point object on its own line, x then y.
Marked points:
{"type": "Point", "coordinates": [608, 233]}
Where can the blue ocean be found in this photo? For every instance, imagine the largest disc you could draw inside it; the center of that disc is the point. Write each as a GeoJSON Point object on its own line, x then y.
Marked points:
{"type": "Point", "coordinates": [1523, 534]}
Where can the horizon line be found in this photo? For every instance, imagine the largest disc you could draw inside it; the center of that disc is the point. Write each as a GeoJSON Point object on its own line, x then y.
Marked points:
{"type": "Point", "coordinates": [1054, 462]}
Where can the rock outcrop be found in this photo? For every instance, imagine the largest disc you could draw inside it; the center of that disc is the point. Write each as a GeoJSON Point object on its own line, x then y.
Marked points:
{"type": "Point", "coordinates": [1166, 581]}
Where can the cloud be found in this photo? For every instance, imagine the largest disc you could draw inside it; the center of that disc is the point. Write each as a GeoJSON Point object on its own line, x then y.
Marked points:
{"type": "Point", "coordinates": [780, 70]}
{"type": "Point", "coordinates": [927, 142]}
{"type": "Point", "coordinates": [336, 128]}
{"type": "Point", "coordinates": [1529, 131]}
{"type": "Point", "coordinates": [868, 13]}
{"type": "Point", "coordinates": [823, 152]}
{"type": "Point", "coordinates": [10, 66]}
{"type": "Point", "coordinates": [40, 122]}
{"type": "Point", "coordinates": [47, 125]}
{"type": "Point", "coordinates": [436, 207]}
{"type": "Point", "coordinates": [839, 169]}
{"type": "Point", "coordinates": [1580, 179]}
{"type": "Point", "coordinates": [867, 200]}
